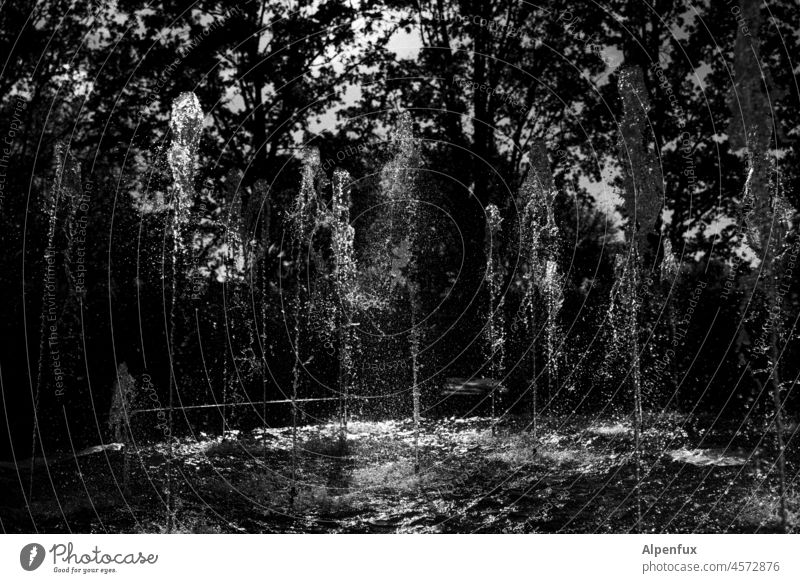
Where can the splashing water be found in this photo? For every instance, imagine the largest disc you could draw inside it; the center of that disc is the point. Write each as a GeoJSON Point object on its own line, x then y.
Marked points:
{"type": "Point", "coordinates": [495, 329]}
{"type": "Point", "coordinates": [342, 237]}
{"type": "Point", "coordinates": [539, 240]}
{"type": "Point", "coordinates": [186, 124]}
{"type": "Point", "coordinates": [623, 316]}
{"type": "Point", "coordinates": [302, 221]}
{"type": "Point", "coordinates": [400, 192]}
{"type": "Point", "coordinates": [551, 286]}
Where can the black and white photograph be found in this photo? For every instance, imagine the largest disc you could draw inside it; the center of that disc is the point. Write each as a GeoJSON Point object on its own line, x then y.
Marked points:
{"type": "Point", "coordinates": [384, 267]}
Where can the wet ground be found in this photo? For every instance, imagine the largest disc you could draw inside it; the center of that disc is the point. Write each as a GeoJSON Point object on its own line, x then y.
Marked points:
{"type": "Point", "coordinates": [575, 475]}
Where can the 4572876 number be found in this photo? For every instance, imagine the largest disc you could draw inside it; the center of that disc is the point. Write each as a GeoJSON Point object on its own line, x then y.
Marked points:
{"type": "Point", "coordinates": [747, 566]}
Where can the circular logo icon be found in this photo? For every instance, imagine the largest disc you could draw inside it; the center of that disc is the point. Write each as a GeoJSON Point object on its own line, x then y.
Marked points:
{"type": "Point", "coordinates": [31, 556]}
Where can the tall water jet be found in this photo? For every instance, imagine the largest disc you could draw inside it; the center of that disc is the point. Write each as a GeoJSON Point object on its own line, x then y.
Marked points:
{"type": "Point", "coordinates": [495, 325]}
{"type": "Point", "coordinates": [541, 281]}
{"type": "Point", "coordinates": [344, 275]}
{"type": "Point", "coordinates": [768, 215]}
{"type": "Point", "coordinates": [302, 222]}
{"type": "Point", "coordinates": [260, 249]}
{"type": "Point", "coordinates": [186, 123]}
{"type": "Point", "coordinates": [400, 190]}
{"type": "Point", "coordinates": [623, 317]}
{"type": "Point", "coordinates": [643, 196]}
{"type": "Point", "coordinates": [230, 253]}
{"type": "Point", "coordinates": [548, 274]}
{"type": "Point", "coordinates": [240, 321]}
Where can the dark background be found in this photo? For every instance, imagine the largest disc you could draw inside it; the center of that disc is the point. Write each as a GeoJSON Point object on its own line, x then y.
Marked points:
{"type": "Point", "coordinates": [100, 81]}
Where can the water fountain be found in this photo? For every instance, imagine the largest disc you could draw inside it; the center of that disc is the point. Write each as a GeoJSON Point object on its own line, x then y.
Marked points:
{"type": "Point", "coordinates": [623, 317]}
{"type": "Point", "coordinates": [260, 215]}
{"type": "Point", "coordinates": [302, 221]}
{"type": "Point", "coordinates": [539, 240]}
{"type": "Point", "coordinates": [643, 196]}
{"type": "Point", "coordinates": [186, 124]}
{"type": "Point", "coordinates": [399, 190]}
{"type": "Point", "coordinates": [233, 252]}
{"type": "Point", "coordinates": [344, 276]}
{"type": "Point", "coordinates": [240, 260]}
{"type": "Point", "coordinates": [495, 325]}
